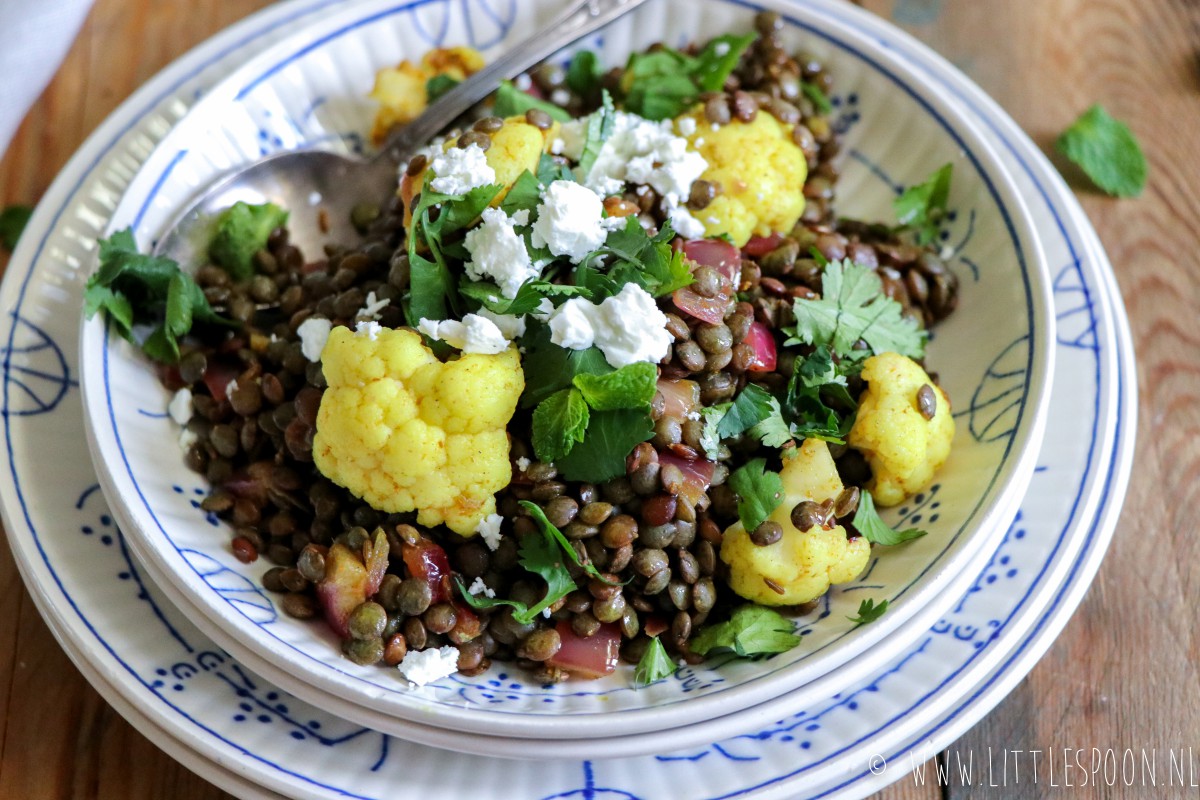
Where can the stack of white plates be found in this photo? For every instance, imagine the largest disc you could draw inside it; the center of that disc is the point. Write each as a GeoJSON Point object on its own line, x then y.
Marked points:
{"type": "Point", "coordinates": [991, 598]}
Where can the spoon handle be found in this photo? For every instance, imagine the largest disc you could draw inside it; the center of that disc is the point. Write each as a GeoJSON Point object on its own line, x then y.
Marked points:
{"type": "Point", "coordinates": [573, 23]}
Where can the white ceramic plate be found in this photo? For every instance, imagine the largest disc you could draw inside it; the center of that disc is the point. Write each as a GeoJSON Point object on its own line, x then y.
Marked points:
{"type": "Point", "coordinates": [994, 357]}
{"type": "Point", "coordinates": [140, 651]}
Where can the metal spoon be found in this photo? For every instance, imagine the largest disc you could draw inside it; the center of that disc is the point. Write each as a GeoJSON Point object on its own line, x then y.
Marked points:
{"type": "Point", "coordinates": [294, 180]}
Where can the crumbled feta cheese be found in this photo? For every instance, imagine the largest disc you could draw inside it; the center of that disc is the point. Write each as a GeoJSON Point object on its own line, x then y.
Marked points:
{"type": "Point", "coordinates": [426, 666]}
{"type": "Point", "coordinates": [546, 613]}
{"type": "Point", "coordinates": [180, 407]}
{"type": "Point", "coordinates": [560, 97]}
{"type": "Point", "coordinates": [498, 252]}
{"type": "Point", "coordinates": [489, 530]}
{"type": "Point", "coordinates": [474, 334]}
{"type": "Point", "coordinates": [687, 126]}
{"type": "Point", "coordinates": [721, 48]}
{"type": "Point", "coordinates": [510, 325]}
{"type": "Point", "coordinates": [569, 221]}
{"type": "Point", "coordinates": [372, 306]}
{"type": "Point", "coordinates": [523, 82]}
{"type": "Point", "coordinates": [523, 463]}
{"type": "Point", "coordinates": [313, 333]}
{"type": "Point", "coordinates": [544, 310]}
{"type": "Point", "coordinates": [368, 328]}
{"type": "Point", "coordinates": [684, 223]}
{"type": "Point", "coordinates": [461, 169]}
{"type": "Point", "coordinates": [627, 327]}
{"type": "Point", "coordinates": [478, 587]}
{"type": "Point", "coordinates": [556, 146]}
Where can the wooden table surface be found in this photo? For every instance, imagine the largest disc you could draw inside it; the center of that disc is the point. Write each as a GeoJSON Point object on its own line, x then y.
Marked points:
{"type": "Point", "coordinates": [1123, 674]}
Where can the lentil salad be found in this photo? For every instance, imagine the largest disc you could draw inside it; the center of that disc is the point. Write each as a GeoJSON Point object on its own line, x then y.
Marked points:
{"type": "Point", "coordinates": [740, 389]}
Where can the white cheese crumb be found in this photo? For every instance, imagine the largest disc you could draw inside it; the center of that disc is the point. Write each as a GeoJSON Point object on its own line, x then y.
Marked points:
{"type": "Point", "coordinates": [489, 530]}
{"type": "Point", "coordinates": [699, 141]}
{"type": "Point", "coordinates": [946, 253]}
{"type": "Point", "coordinates": [523, 82]}
{"type": "Point", "coordinates": [313, 333]}
{"type": "Point", "coordinates": [627, 327]}
{"type": "Point", "coordinates": [687, 126]}
{"type": "Point", "coordinates": [314, 199]}
{"type": "Point", "coordinates": [715, 127]}
{"type": "Point", "coordinates": [569, 221]}
{"type": "Point", "coordinates": [426, 666]}
{"type": "Point", "coordinates": [544, 310]}
{"type": "Point", "coordinates": [523, 463]}
{"type": "Point", "coordinates": [368, 328]}
{"type": "Point", "coordinates": [498, 252]}
{"type": "Point", "coordinates": [510, 325]}
{"type": "Point", "coordinates": [180, 407]}
{"type": "Point", "coordinates": [546, 613]}
{"type": "Point", "coordinates": [722, 48]}
{"type": "Point", "coordinates": [475, 334]}
{"type": "Point", "coordinates": [478, 587]}
{"type": "Point", "coordinates": [556, 146]}
{"type": "Point", "coordinates": [560, 97]}
{"type": "Point", "coordinates": [371, 307]}
{"type": "Point", "coordinates": [461, 169]}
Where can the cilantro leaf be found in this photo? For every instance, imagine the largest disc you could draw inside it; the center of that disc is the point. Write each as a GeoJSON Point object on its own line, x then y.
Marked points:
{"type": "Point", "coordinates": [751, 630]}
{"type": "Point", "coordinates": [868, 522]}
{"type": "Point", "coordinates": [136, 289]}
{"type": "Point", "coordinates": [1107, 151]}
{"type": "Point", "coordinates": [852, 307]}
{"type": "Point", "coordinates": [550, 170]}
{"type": "Point", "coordinates": [512, 102]}
{"type": "Point", "coordinates": [528, 297]}
{"type": "Point", "coordinates": [750, 407]}
{"type": "Point", "coordinates": [654, 665]}
{"type": "Point", "coordinates": [817, 97]}
{"type": "Point", "coordinates": [632, 386]}
{"type": "Point", "coordinates": [921, 208]}
{"type": "Point", "coordinates": [558, 424]}
{"type": "Point", "coordinates": [813, 381]}
{"type": "Point", "coordinates": [242, 230]}
{"type": "Point", "coordinates": [523, 195]}
{"type": "Point", "coordinates": [583, 73]}
{"type": "Point", "coordinates": [429, 286]}
{"type": "Point", "coordinates": [759, 492]}
{"type": "Point", "coordinates": [773, 431]}
{"type": "Point", "coordinates": [552, 533]}
{"type": "Point", "coordinates": [549, 367]}
{"type": "Point", "coordinates": [541, 555]}
{"type": "Point", "coordinates": [638, 258]}
{"type": "Point", "coordinates": [438, 85]}
{"type": "Point", "coordinates": [869, 612]}
{"type": "Point", "coordinates": [610, 437]}
{"type": "Point", "coordinates": [13, 220]}
{"type": "Point", "coordinates": [719, 58]}
{"type": "Point", "coordinates": [600, 126]}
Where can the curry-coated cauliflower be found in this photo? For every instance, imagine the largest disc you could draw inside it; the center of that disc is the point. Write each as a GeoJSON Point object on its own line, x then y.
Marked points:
{"type": "Point", "coordinates": [404, 431]}
{"type": "Point", "coordinates": [761, 172]}
{"type": "Point", "coordinates": [903, 448]}
{"type": "Point", "coordinates": [803, 563]}
{"type": "Point", "coordinates": [401, 90]}
{"type": "Point", "coordinates": [515, 148]}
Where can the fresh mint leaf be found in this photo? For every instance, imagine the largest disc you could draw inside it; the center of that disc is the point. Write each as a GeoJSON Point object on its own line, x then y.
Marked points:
{"type": "Point", "coordinates": [869, 612]}
{"type": "Point", "coordinates": [541, 554]}
{"type": "Point", "coordinates": [429, 286]}
{"type": "Point", "coordinates": [632, 386]}
{"type": "Point", "coordinates": [868, 522]}
{"type": "Point", "coordinates": [660, 84]}
{"type": "Point", "coordinates": [759, 492]}
{"type": "Point", "coordinates": [1107, 151]}
{"type": "Point", "coordinates": [438, 85]}
{"type": "Point", "coordinates": [817, 97]}
{"type": "Point", "coordinates": [852, 307]}
{"type": "Point", "coordinates": [922, 208]}
{"type": "Point", "coordinates": [719, 58]}
{"type": "Point", "coordinates": [610, 437]}
{"type": "Point", "coordinates": [751, 630]}
{"type": "Point", "coordinates": [13, 220]}
{"type": "Point", "coordinates": [600, 126]}
{"type": "Point", "coordinates": [459, 212]}
{"type": "Point", "coordinates": [242, 230]}
{"type": "Point", "coordinates": [549, 368]}
{"type": "Point", "coordinates": [551, 532]}
{"type": "Point", "coordinates": [583, 74]}
{"type": "Point", "coordinates": [512, 102]}
{"type": "Point", "coordinates": [654, 665]}
{"type": "Point", "coordinates": [559, 422]}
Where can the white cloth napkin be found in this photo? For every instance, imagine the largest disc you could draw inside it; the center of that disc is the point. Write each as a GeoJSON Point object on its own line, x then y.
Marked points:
{"type": "Point", "coordinates": [37, 35]}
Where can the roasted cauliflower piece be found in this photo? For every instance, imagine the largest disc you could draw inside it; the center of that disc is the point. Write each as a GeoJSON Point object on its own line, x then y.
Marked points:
{"type": "Point", "coordinates": [803, 563]}
{"type": "Point", "coordinates": [903, 448]}
{"type": "Point", "coordinates": [515, 148]}
{"type": "Point", "coordinates": [404, 431]}
{"type": "Point", "coordinates": [761, 173]}
{"type": "Point", "coordinates": [401, 90]}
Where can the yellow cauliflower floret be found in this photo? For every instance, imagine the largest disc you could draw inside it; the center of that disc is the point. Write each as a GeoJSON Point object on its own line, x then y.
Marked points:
{"type": "Point", "coordinates": [401, 90]}
{"type": "Point", "coordinates": [803, 563]}
{"type": "Point", "coordinates": [515, 148]}
{"type": "Point", "coordinates": [761, 172]}
{"type": "Point", "coordinates": [404, 431]}
{"type": "Point", "coordinates": [903, 448]}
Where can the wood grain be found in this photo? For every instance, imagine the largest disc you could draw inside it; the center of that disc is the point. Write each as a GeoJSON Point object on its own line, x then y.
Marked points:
{"type": "Point", "coordinates": [1124, 672]}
